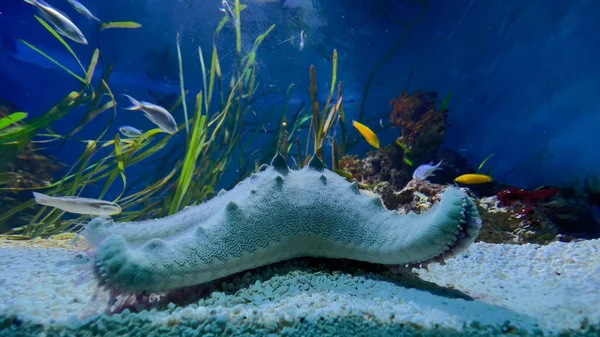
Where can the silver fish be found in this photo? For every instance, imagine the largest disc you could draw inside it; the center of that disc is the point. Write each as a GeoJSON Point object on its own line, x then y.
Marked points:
{"type": "Point", "coordinates": [62, 24]}
{"type": "Point", "coordinates": [426, 170]}
{"type": "Point", "coordinates": [78, 205]}
{"type": "Point", "coordinates": [130, 131]}
{"type": "Point", "coordinates": [302, 39]}
{"type": "Point", "coordinates": [226, 8]}
{"type": "Point", "coordinates": [83, 10]}
{"type": "Point", "coordinates": [155, 113]}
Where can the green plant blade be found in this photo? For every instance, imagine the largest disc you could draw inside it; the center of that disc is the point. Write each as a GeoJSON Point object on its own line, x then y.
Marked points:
{"type": "Point", "coordinates": [182, 87]}
{"type": "Point", "coordinates": [484, 162]}
{"type": "Point", "coordinates": [333, 79]}
{"type": "Point", "coordinates": [55, 62]}
{"type": "Point", "coordinates": [215, 69]}
{"type": "Point", "coordinates": [90, 72]}
{"type": "Point", "coordinates": [57, 112]}
{"type": "Point", "coordinates": [203, 67]}
{"type": "Point", "coordinates": [120, 165]}
{"type": "Point", "coordinates": [238, 28]}
{"type": "Point", "coordinates": [12, 118]}
{"type": "Point", "coordinates": [60, 39]}
{"type": "Point", "coordinates": [446, 101]}
{"type": "Point", "coordinates": [120, 24]}
{"type": "Point", "coordinates": [195, 147]}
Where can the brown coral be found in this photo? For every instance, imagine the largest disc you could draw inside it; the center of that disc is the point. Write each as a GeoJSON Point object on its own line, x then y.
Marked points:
{"type": "Point", "coordinates": [423, 125]}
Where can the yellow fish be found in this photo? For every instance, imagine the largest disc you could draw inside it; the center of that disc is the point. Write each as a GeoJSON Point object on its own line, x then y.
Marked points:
{"type": "Point", "coordinates": [369, 135]}
{"type": "Point", "coordinates": [473, 178]}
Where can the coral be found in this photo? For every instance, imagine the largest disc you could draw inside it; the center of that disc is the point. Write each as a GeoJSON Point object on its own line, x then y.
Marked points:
{"type": "Point", "coordinates": [423, 125]}
{"type": "Point", "coordinates": [423, 129]}
{"type": "Point", "coordinates": [501, 225]}
{"type": "Point", "coordinates": [573, 217]}
{"type": "Point", "coordinates": [383, 166]}
{"type": "Point", "coordinates": [509, 214]}
{"type": "Point", "coordinates": [385, 172]}
{"type": "Point", "coordinates": [537, 216]}
{"type": "Point", "coordinates": [541, 216]}
{"type": "Point", "coordinates": [418, 196]}
{"type": "Point", "coordinates": [588, 188]}
{"type": "Point", "coordinates": [32, 170]}
{"type": "Point", "coordinates": [511, 195]}
{"type": "Point", "coordinates": [275, 215]}
{"type": "Point", "coordinates": [557, 213]}
{"type": "Point", "coordinates": [28, 168]}
{"type": "Point", "coordinates": [352, 165]}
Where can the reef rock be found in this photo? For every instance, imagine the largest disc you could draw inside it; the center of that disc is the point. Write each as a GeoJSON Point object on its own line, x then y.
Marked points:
{"type": "Point", "coordinates": [383, 166]}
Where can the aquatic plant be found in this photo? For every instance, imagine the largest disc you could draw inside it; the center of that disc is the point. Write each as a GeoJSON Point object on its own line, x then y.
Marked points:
{"type": "Point", "coordinates": [321, 121]}
{"type": "Point", "coordinates": [210, 141]}
{"type": "Point", "coordinates": [11, 119]}
{"type": "Point", "coordinates": [29, 168]}
{"type": "Point", "coordinates": [482, 165]}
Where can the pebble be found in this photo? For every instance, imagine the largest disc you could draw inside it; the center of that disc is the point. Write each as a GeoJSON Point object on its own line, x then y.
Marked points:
{"type": "Point", "coordinates": [282, 290]}
{"type": "Point", "coordinates": [39, 285]}
{"type": "Point", "coordinates": [222, 319]}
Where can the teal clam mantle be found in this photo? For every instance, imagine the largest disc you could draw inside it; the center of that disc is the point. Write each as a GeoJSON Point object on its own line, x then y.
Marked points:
{"type": "Point", "coordinates": [274, 215]}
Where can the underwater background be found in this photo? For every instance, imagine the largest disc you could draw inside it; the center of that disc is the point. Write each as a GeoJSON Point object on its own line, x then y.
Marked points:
{"type": "Point", "coordinates": [522, 74]}
{"type": "Point", "coordinates": [500, 94]}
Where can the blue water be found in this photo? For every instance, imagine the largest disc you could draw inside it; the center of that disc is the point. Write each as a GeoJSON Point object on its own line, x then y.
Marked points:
{"type": "Point", "coordinates": [524, 74]}
{"type": "Point", "coordinates": [523, 77]}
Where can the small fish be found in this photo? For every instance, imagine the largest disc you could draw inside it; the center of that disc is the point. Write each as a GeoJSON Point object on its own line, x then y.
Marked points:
{"type": "Point", "coordinates": [426, 170]}
{"type": "Point", "coordinates": [156, 113]}
{"type": "Point", "coordinates": [223, 7]}
{"type": "Point", "coordinates": [78, 205]}
{"type": "Point", "coordinates": [369, 135]}
{"type": "Point", "coordinates": [130, 131]}
{"type": "Point", "coordinates": [83, 10]}
{"type": "Point", "coordinates": [302, 39]}
{"type": "Point", "coordinates": [473, 178]}
{"type": "Point", "coordinates": [62, 24]}
{"type": "Point", "coordinates": [226, 8]}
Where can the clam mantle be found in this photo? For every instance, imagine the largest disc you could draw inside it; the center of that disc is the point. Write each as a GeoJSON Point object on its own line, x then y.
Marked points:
{"type": "Point", "coordinates": [274, 215]}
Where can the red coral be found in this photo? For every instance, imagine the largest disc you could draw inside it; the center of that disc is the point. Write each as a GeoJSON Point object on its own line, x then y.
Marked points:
{"type": "Point", "coordinates": [510, 195]}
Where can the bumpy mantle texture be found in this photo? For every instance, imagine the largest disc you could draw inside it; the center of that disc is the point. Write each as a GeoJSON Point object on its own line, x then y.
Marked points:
{"type": "Point", "coordinates": [274, 215]}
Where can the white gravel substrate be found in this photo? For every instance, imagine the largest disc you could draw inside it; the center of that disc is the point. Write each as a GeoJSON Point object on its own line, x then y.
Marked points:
{"type": "Point", "coordinates": [551, 288]}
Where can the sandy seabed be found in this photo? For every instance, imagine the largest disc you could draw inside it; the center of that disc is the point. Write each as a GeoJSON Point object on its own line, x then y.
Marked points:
{"type": "Point", "coordinates": [490, 289]}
